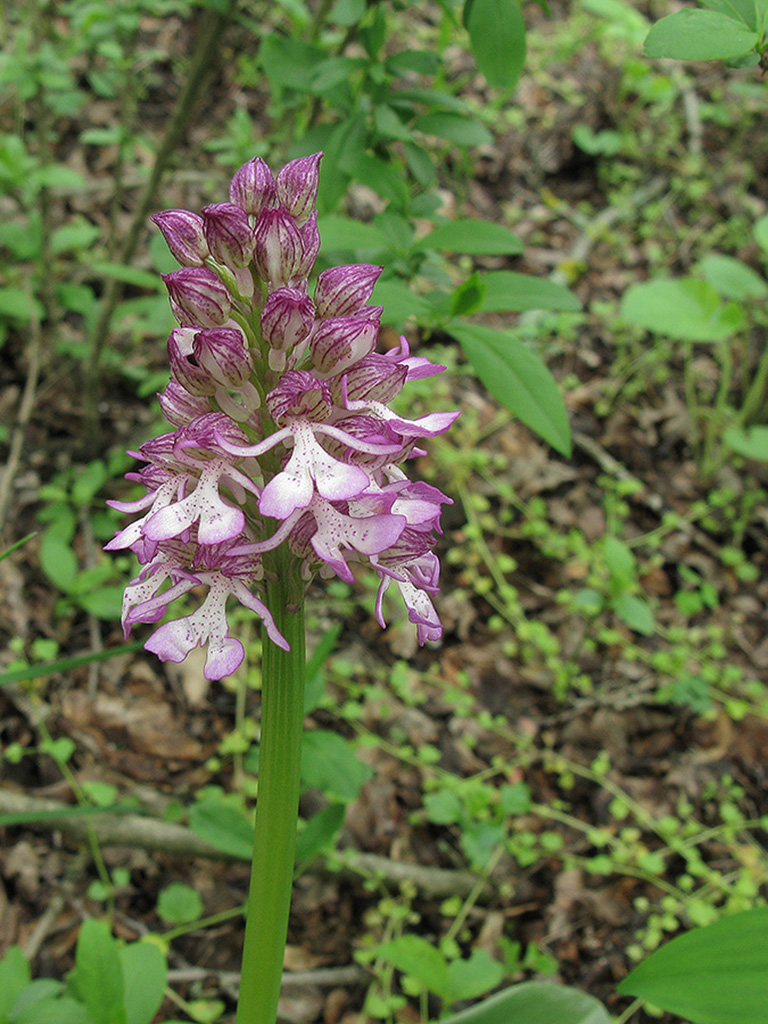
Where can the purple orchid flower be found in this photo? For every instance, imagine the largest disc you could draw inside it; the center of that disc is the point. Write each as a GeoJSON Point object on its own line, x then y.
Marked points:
{"type": "Point", "coordinates": [282, 431]}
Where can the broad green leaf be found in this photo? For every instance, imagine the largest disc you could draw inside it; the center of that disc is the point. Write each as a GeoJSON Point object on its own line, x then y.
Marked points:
{"type": "Point", "coordinates": [683, 308]}
{"type": "Point", "coordinates": [19, 304]}
{"type": "Point", "coordinates": [389, 124]}
{"type": "Point", "coordinates": [518, 379]}
{"type": "Point", "coordinates": [474, 237]}
{"type": "Point", "coordinates": [468, 297]}
{"type": "Point", "coordinates": [58, 561]}
{"type": "Point", "coordinates": [620, 560]}
{"type": "Point", "coordinates": [55, 1011]}
{"type": "Point", "coordinates": [739, 10]}
{"type": "Point", "coordinates": [333, 72]}
{"type": "Point", "coordinates": [382, 177]}
{"type": "Point", "coordinates": [444, 807]}
{"type": "Point", "coordinates": [510, 292]}
{"type": "Point", "coordinates": [497, 37]}
{"type": "Point", "coordinates": [320, 832]}
{"type": "Point", "coordinates": [78, 234]}
{"type": "Point", "coordinates": [105, 602]}
{"type": "Point", "coordinates": [35, 992]}
{"type": "Point", "coordinates": [14, 978]}
{"type": "Point", "coordinates": [470, 978]}
{"type": "Point", "coordinates": [712, 975]}
{"type": "Point", "coordinates": [761, 232]}
{"type": "Point", "coordinates": [422, 62]}
{"type": "Point", "coordinates": [418, 959]}
{"type": "Point", "coordinates": [329, 763]}
{"type": "Point", "coordinates": [342, 234]}
{"type": "Point", "coordinates": [458, 128]}
{"type": "Point", "coordinates": [751, 442]}
{"type": "Point", "coordinates": [179, 904]}
{"type": "Point", "coordinates": [534, 1002]}
{"type": "Point", "coordinates": [98, 974]}
{"type": "Point", "coordinates": [731, 278]}
{"type": "Point", "coordinates": [635, 613]}
{"type": "Point", "coordinates": [223, 827]}
{"type": "Point", "coordinates": [145, 974]}
{"type": "Point", "coordinates": [433, 99]}
{"type": "Point", "coordinates": [420, 164]}
{"type": "Point", "coordinates": [288, 62]}
{"type": "Point", "coordinates": [401, 303]}
{"type": "Point", "coordinates": [699, 35]}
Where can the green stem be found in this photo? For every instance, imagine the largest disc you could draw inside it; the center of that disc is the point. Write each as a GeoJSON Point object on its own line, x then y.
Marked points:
{"type": "Point", "coordinates": [282, 716]}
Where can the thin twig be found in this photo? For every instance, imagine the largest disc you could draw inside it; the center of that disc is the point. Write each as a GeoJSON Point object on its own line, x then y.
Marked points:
{"type": "Point", "coordinates": [25, 409]}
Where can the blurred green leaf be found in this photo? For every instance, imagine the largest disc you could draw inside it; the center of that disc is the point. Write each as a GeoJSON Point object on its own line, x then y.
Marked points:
{"type": "Point", "coordinates": [497, 36]}
{"type": "Point", "coordinates": [750, 442]}
{"type": "Point", "coordinates": [534, 1002]}
{"type": "Point", "coordinates": [731, 278]}
{"type": "Point", "coordinates": [329, 763]}
{"type": "Point", "coordinates": [507, 291]}
{"type": "Point", "coordinates": [474, 237]}
{"type": "Point", "coordinates": [145, 974]}
{"type": "Point", "coordinates": [683, 308]}
{"type": "Point", "coordinates": [518, 379]}
{"type": "Point", "coordinates": [457, 128]}
{"type": "Point", "coordinates": [179, 904]}
{"type": "Point", "coordinates": [692, 34]}
{"type": "Point", "coordinates": [712, 975]}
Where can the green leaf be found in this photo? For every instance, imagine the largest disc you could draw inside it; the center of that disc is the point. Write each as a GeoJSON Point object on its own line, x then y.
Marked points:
{"type": "Point", "coordinates": [145, 975]}
{"type": "Point", "coordinates": [400, 303]}
{"type": "Point", "coordinates": [474, 237]}
{"type": "Point", "coordinates": [288, 62]}
{"type": "Point", "coordinates": [329, 763]}
{"type": "Point", "coordinates": [341, 234]}
{"type": "Point", "coordinates": [319, 834]}
{"type": "Point", "coordinates": [497, 37]}
{"type": "Point", "coordinates": [58, 561]}
{"type": "Point", "coordinates": [35, 992]}
{"type": "Point", "coordinates": [105, 603]}
{"type": "Point", "coordinates": [699, 35]}
{"type": "Point", "coordinates": [468, 297]}
{"type": "Point", "coordinates": [509, 292]}
{"type": "Point", "coordinates": [55, 1011]}
{"type": "Point", "coordinates": [683, 308]}
{"type": "Point", "coordinates": [14, 978]}
{"type": "Point", "coordinates": [739, 10]}
{"type": "Point", "coordinates": [444, 807]}
{"type": "Point", "coordinates": [79, 234]}
{"type": "Point", "coordinates": [620, 560]}
{"type": "Point", "coordinates": [419, 163]}
{"type": "Point", "coordinates": [223, 827]}
{"type": "Point", "coordinates": [388, 123]}
{"type": "Point", "coordinates": [98, 974]}
{"type": "Point", "coordinates": [128, 275]}
{"type": "Point", "coordinates": [19, 304]}
{"type": "Point", "coordinates": [760, 231]}
{"type": "Point", "coordinates": [751, 442]}
{"type": "Point", "coordinates": [635, 613]}
{"type": "Point", "coordinates": [731, 278]}
{"type": "Point", "coordinates": [470, 978]}
{"type": "Point", "coordinates": [382, 177]}
{"type": "Point", "coordinates": [712, 975]}
{"type": "Point", "coordinates": [418, 959]}
{"type": "Point", "coordinates": [421, 62]}
{"type": "Point", "coordinates": [534, 1002]}
{"type": "Point", "coordinates": [457, 128]}
{"type": "Point", "coordinates": [518, 379]}
{"type": "Point", "coordinates": [179, 904]}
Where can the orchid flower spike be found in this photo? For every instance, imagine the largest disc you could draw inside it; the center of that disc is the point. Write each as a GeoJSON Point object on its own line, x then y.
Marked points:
{"type": "Point", "coordinates": [282, 432]}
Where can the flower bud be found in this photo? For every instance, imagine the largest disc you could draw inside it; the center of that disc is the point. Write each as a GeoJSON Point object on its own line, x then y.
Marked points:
{"type": "Point", "coordinates": [297, 186]}
{"type": "Point", "coordinates": [229, 233]}
{"type": "Point", "coordinates": [278, 251]}
{"type": "Point", "coordinates": [222, 354]}
{"type": "Point", "coordinates": [287, 318]}
{"type": "Point", "coordinates": [299, 395]}
{"type": "Point", "coordinates": [342, 291]}
{"type": "Point", "coordinates": [198, 297]}
{"type": "Point", "coordinates": [375, 379]}
{"type": "Point", "coordinates": [183, 233]}
{"type": "Point", "coordinates": [179, 407]}
{"type": "Point", "coordinates": [253, 187]}
{"type": "Point", "coordinates": [339, 342]}
{"type": "Point", "coordinates": [310, 242]}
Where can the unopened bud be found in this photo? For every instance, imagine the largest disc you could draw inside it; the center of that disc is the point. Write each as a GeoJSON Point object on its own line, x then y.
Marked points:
{"type": "Point", "coordinates": [339, 342]}
{"type": "Point", "coordinates": [342, 291]}
{"type": "Point", "coordinates": [198, 297]}
{"type": "Point", "coordinates": [278, 251]}
{"type": "Point", "coordinates": [183, 233]}
{"type": "Point", "coordinates": [253, 187]}
{"type": "Point", "coordinates": [229, 233]}
{"type": "Point", "coordinates": [287, 318]}
{"type": "Point", "coordinates": [297, 186]}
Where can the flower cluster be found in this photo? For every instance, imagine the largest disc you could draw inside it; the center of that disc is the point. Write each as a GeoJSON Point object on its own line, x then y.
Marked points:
{"type": "Point", "coordinates": [283, 433]}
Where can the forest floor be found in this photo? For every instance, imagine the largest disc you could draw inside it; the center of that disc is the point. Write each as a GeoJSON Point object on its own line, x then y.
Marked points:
{"type": "Point", "coordinates": [600, 691]}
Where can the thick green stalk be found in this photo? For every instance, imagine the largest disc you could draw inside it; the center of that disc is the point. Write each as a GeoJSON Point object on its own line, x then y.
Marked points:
{"type": "Point", "coordinates": [277, 806]}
